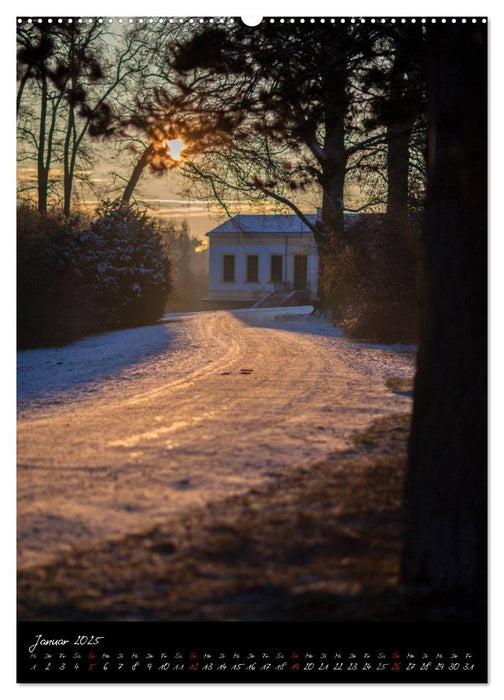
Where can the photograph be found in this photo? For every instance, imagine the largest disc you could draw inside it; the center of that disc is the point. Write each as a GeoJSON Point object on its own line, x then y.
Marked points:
{"type": "Point", "coordinates": [252, 349]}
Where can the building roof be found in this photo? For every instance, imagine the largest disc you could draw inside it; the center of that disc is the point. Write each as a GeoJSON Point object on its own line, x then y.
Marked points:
{"type": "Point", "coordinates": [264, 223]}
{"type": "Point", "coordinates": [283, 224]}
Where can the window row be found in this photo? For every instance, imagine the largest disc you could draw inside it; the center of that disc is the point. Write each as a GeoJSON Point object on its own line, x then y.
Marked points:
{"type": "Point", "coordinates": [252, 268]}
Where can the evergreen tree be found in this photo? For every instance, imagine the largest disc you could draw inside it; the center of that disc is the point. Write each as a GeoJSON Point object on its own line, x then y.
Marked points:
{"type": "Point", "coordinates": [121, 259]}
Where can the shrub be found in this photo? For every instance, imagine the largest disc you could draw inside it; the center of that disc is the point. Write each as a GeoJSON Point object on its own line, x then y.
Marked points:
{"type": "Point", "coordinates": [52, 306]}
{"type": "Point", "coordinates": [378, 282]}
{"type": "Point", "coordinates": [121, 259]}
{"type": "Point", "coordinates": [75, 279]}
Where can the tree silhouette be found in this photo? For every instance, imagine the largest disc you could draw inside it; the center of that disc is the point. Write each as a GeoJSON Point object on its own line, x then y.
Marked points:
{"type": "Point", "coordinates": [397, 83]}
{"type": "Point", "coordinates": [74, 73]}
{"type": "Point", "coordinates": [446, 490]}
{"type": "Point", "coordinates": [281, 101]}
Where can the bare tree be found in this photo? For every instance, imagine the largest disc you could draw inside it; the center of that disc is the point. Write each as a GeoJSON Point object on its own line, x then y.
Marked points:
{"type": "Point", "coordinates": [37, 118]}
{"type": "Point", "coordinates": [69, 78]}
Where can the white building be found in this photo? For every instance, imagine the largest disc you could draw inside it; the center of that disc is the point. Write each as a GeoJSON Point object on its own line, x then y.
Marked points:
{"type": "Point", "coordinates": [254, 255]}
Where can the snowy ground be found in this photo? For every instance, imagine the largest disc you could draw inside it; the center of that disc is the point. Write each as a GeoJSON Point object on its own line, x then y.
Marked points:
{"type": "Point", "coordinates": [117, 431]}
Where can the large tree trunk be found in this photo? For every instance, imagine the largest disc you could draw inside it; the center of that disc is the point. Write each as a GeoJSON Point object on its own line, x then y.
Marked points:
{"type": "Point", "coordinates": [446, 488]}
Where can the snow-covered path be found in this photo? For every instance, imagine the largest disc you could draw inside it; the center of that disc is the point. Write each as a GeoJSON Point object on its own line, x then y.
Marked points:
{"type": "Point", "coordinates": [118, 431]}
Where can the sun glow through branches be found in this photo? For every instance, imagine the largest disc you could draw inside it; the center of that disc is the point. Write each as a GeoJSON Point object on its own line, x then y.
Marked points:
{"type": "Point", "coordinates": [175, 148]}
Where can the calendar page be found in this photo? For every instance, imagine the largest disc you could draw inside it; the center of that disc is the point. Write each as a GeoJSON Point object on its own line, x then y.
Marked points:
{"type": "Point", "coordinates": [252, 349]}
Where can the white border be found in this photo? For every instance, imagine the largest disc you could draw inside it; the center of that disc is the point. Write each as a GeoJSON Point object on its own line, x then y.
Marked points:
{"type": "Point", "coordinates": [278, 8]}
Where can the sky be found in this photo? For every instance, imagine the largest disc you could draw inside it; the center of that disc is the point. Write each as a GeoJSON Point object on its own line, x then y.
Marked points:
{"type": "Point", "coordinates": [164, 196]}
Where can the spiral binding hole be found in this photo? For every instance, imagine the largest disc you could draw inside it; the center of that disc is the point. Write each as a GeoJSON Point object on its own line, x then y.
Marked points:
{"type": "Point", "coordinates": [256, 20]}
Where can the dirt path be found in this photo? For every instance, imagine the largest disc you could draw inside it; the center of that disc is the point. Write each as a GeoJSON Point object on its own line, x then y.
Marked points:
{"type": "Point", "coordinates": [317, 542]}
{"type": "Point", "coordinates": [227, 402]}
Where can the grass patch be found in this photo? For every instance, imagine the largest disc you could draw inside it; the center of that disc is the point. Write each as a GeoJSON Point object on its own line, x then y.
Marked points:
{"type": "Point", "coordinates": [399, 384]}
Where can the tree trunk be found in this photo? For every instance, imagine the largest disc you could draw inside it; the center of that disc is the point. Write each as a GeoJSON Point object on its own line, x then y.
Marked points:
{"type": "Point", "coordinates": [70, 131]}
{"type": "Point", "coordinates": [333, 185]}
{"type": "Point", "coordinates": [446, 485]}
{"type": "Point", "coordinates": [42, 174]}
{"type": "Point", "coordinates": [50, 141]}
{"type": "Point", "coordinates": [399, 133]}
{"type": "Point", "coordinates": [22, 85]}
{"type": "Point", "coordinates": [135, 175]}
{"type": "Point", "coordinates": [67, 167]}
{"type": "Point", "coordinates": [398, 139]}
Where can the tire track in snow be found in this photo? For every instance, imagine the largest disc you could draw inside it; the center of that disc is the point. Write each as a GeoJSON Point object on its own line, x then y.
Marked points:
{"type": "Point", "coordinates": [184, 428]}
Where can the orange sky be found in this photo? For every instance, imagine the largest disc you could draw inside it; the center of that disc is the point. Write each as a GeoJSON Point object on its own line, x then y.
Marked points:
{"type": "Point", "coordinates": [161, 197]}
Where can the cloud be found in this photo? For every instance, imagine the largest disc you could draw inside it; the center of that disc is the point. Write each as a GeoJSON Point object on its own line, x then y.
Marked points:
{"type": "Point", "coordinates": [187, 202]}
{"type": "Point", "coordinates": [179, 213]}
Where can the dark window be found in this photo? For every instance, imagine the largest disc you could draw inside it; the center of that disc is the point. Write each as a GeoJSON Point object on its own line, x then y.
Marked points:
{"type": "Point", "coordinates": [252, 268]}
{"type": "Point", "coordinates": [229, 268]}
{"type": "Point", "coordinates": [277, 268]}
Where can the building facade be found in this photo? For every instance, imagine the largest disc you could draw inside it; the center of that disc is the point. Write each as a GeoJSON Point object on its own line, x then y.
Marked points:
{"type": "Point", "coordinates": [253, 255]}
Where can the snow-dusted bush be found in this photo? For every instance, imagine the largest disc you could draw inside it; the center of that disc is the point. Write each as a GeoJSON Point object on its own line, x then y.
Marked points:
{"type": "Point", "coordinates": [121, 260]}
{"type": "Point", "coordinates": [52, 305]}
{"type": "Point", "coordinates": [76, 278]}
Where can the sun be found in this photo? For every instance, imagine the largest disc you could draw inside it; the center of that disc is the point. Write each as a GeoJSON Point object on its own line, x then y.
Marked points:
{"type": "Point", "coordinates": [175, 148]}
